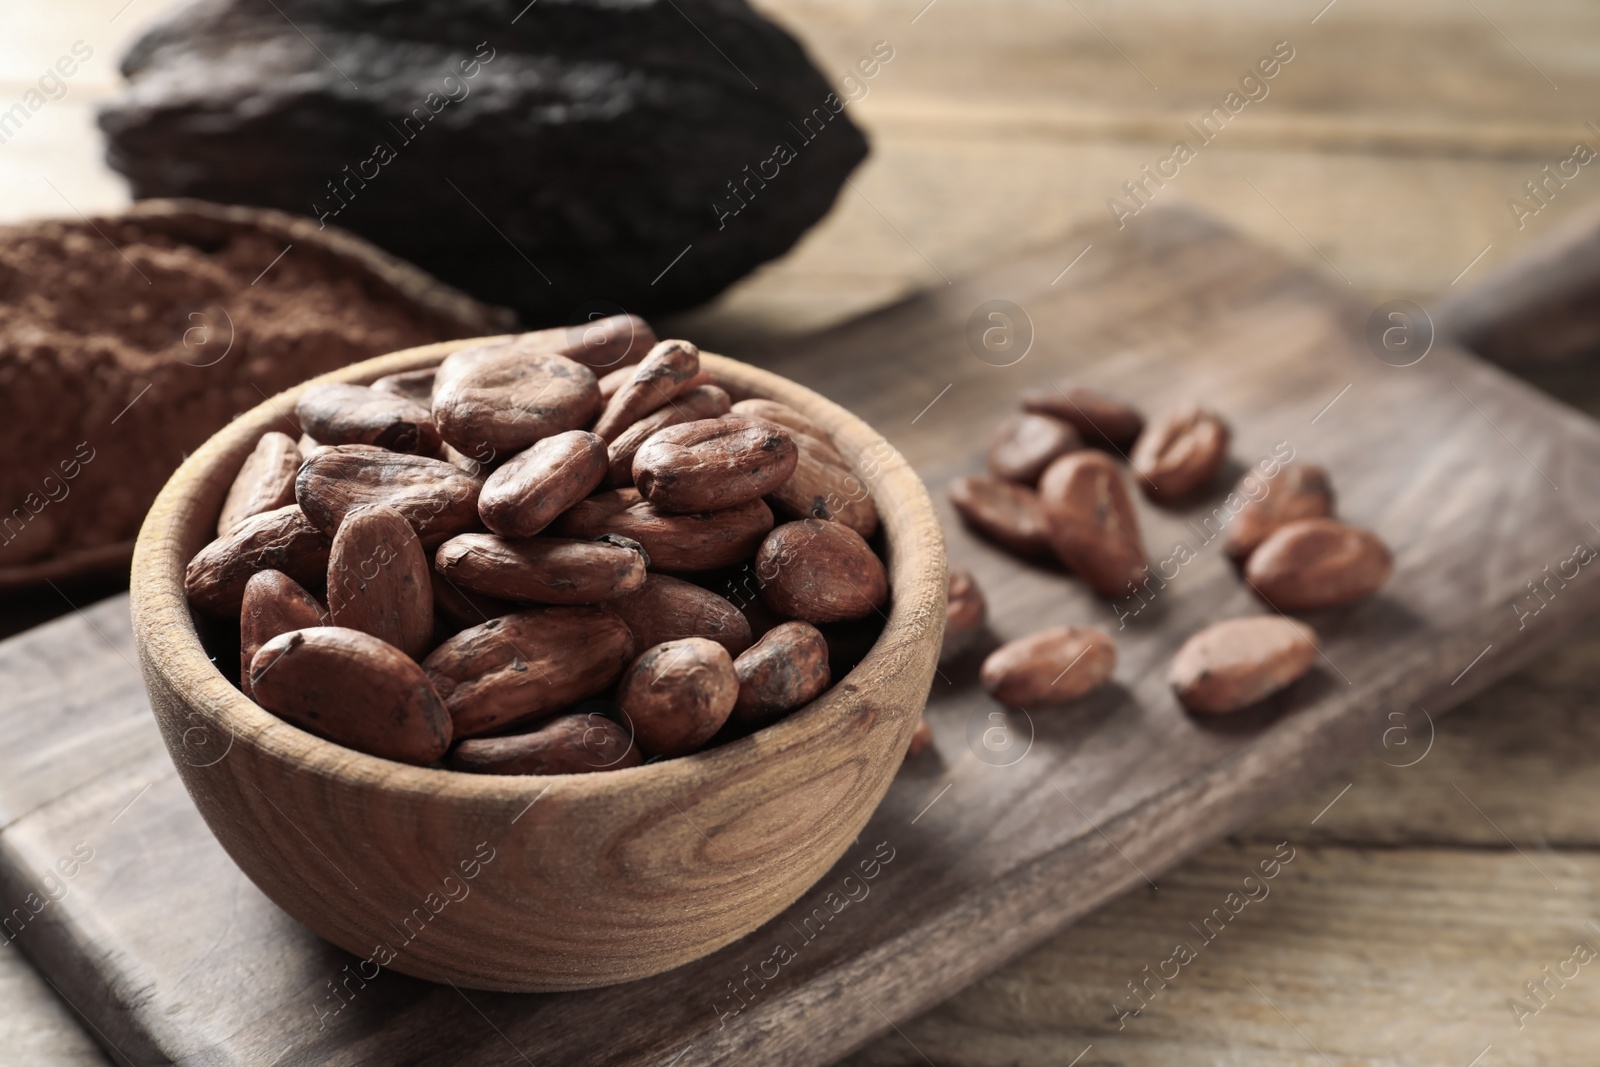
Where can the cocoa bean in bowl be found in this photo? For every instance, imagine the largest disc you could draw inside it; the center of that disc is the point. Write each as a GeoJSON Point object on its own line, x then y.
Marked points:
{"type": "Point", "coordinates": [591, 702]}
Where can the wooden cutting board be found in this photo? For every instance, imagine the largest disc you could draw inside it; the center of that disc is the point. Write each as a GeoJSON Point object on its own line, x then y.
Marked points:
{"type": "Point", "coordinates": [1015, 825]}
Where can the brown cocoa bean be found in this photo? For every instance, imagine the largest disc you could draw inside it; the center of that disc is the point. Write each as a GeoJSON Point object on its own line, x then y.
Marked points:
{"type": "Point", "coordinates": [669, 609]}
{"type": "Point", "coordinates": [1230, 665]}
{"type": "Point", "coordinates": [1296, 491]}
{"type": "Point", "coordinates": [1098, 416]}
{"type": "Point", "coordinates": [1311, 564]}
{"type": "Point", "coordinates": [354, 690]}
{"type": "Point", "coordinates": [279, 540]}
{"type": "Point", "coordinates": [378, 579]}
{"type": "Point", "coordinates": [533, 487]}
{"type": "Point", "coordinates": [677, 695]}
{"type": "Point", "coordinates": [460, 608]}
{"type": "Point", "coordinates": [615, 340]}
{"type": "Point", "coordinates": [1053, 666]}
{"type": "Point", "coordinates": [274, 604]}
{"type": "Point", "coordinates": [669, 369]}
{"type": "Point", "coordinates": [1026, 444]}
{"type": "Point", "coordinates": [711, 464]}
{"type": "Point", "coordinates": [699, 542]}
{"type": "Point", "coordinates": [1091, 522]}
{"type": "Point", "coordinates": [1180, 455]}
{"type": "Point", "coordinates": [824, 487]}
{"type": "Point", "coordinates": [783, 415]}
{"type": "Point", "coordinates": [343, 414]}
{"type": "Point", "coordinates": [264, 483]}
{"type": "Point", "coordinates": [568, 744]}
{"type": "Point", "coordinates": [820, 571]}
{"type": "Point", "coordinates": [412, 384]}
{"type": "Point", "coordinates": [526, 665]}
{"type": "Point", "coordinates": [964, 614]}
{"type": "Point", "coordinates": [439, 499]}
{"type": "Point", "coordinates": [701, 402]}
{"type": "Point", "coordinates": [1007, 513]}
{"type": "Point", "coordinates": [784, 670]}
{"type": "Point", "coordinates": [542, 570]}
{"type": "Point", "coordinates": [921, 738]}
{"type": "Point", "coordinates": [499, 398]}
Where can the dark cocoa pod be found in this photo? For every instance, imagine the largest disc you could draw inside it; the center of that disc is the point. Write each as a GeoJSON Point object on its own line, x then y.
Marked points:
{"type": "Point", "coordinates": [824, 487]}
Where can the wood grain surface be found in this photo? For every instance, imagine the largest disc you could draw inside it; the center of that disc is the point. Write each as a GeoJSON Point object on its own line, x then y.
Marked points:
{"type": "Point", "coordinates": [1473, 478]}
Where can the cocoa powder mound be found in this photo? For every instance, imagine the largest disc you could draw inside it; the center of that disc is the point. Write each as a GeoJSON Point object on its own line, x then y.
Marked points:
{"type": "Point", "coordinates": [123, 347]}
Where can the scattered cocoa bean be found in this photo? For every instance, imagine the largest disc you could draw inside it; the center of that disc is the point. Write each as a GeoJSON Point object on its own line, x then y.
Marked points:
{"type": "Point", "coordinates": [274, 604]}
{"type": "Point", "coordinates": [784, 670]}
{"type": "Point", "coordinates": [1098, 416]}
{"type": "Point", "coordinates": [278, 540]}
{"type": "Point", "coordinates": [1180, 455]}
{"type": "Point", "coordinates": [711, 464]}
{"type": "Point", "coordinates": [501, 397]}
{"type": "Point", "coordinates": [354, 690]}
{"type": "Point", "coordinates": [1007, 513]}
{"type": "Point", "coordinates": [701, 402]}
{"type": "Point", "coordinates": [568, 744]}
{"type": "Point", "coordinates": [669, 369]}
{"type": "Point", "coordinates": [669, 609]}
{"type": "Point", "coordinates": [820, 571]}
{"type": "Point", "coordinates": [1026, 444]}
{"type": "Point", "coordinates": [527, 492]}
{"type": "Point", "coordinates": [700, 542]}
{"type": "Point", "coordinates": [678, 694]}
{"type": "Point", "coordinates": [1091, 522]}
{"type": "Point", "coordinates": [542, 570]}
{"type": "Point", "coordinates": [1296, 491]}
{"type": "Point", "coordinates": [360, 415]}
{"type": "Point", "coordinates": [1231, 665]}
{"type": "Point", "coordinates": [1311, 564]}
{"type": "Point", "coordinates": [264, 483]}
{"type": "Point", "coordinates": [1053, 666]}
{"type": "Point", "coordinates": [438, 499]}
{"type": "Point", "coordinates": [378, 579]}
{"type": "Point", "coordinates": [964, 614]}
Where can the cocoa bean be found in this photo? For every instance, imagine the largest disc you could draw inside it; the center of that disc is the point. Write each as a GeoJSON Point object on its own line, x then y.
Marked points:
{"type": "Point", "coordinates": [1007, 513]}
{"type": "Point", "coordinates": [1311, 564]}
{"type": "Point", "coordinates": [526, 665]}
{"type": "Point", "coordinates": [354, 690]}
{"type": "Point", "coordinates": [964, 614]}
{"type": "Point", "coordinates": [568, 744]}
{"type": "Point", "coordinates": [360, 415]}
{"type": "Point", "coordinates": [601, 343]}
{"type": "Point", "coordinates": [501, 397]}
{"type": "Point", "coordinates": [711, 464]}
{"type": "Point", "coordinates": [784, 670]}
{"type": "Point", "coordinates": [542, 570]}
{"type": "Point", "coordinates": [1053, 666]}
{"type": "Point", "coordinates": [1296, 491]}
{"type": "Point", "coordinates": [1180, 455]}
{"type": "Point", "coordinates": [669, 369]}
{"type": "Point", "coordinates": [824, 487]}
{"type": "Point", "coordinates": [1090, 519]}
{"type": "Point", "coordinates": [678, 694]}
{"type": "Point", "coordinates": [460, 608]}
{"type": "Point", "coordinates": [700, 542]}
{"type": "Point", "coordinates": [280, 540]}
{"type": "Point", "coordinates": [274, 604]}
{"type": "Point", "coordinates": [701, 402]}
{"type": "Point", "coordinates": [264, 483]}
{"type": "Point", "coordinates": [1230, 665]}
{"type": "Point", "coordinates": [412, 384]}
{"type": "Point", "coordinates": [1026, 444]}
{"type": "Point", "coordinates": [437, 498]}
{"type": "Point", "coordinates": [533, 487]}
{"type": "Point", "coordinates": [378, 579]}
{"type": "Point", "coordinates": [820, 571]}
{"type": "Point", "coordinates": [782, 414]}
{"type": "Point", "coordinates": [669, 609]}
{"type": "Point", "coordinates": [1098, 416]}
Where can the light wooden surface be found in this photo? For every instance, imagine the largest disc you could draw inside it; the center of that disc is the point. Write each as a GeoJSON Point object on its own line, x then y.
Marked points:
{"type": "Point", "coordinates": [1009, 121]}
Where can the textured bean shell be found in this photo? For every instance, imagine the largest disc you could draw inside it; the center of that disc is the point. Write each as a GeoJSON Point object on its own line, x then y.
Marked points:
{"type": "Point", "coordinates": [1007, 513]}
{"type": "Point", "coordinates": [507, 395]}
{"type": "Point", "coordinates": [1053, 666]}
{"type": "Point", "coordinates": [820, 571]}
{"type": "Point", "coordinates": [701, 402]}
{"type": "Point", "coordinates": [1098, 416]}
{"type": "Point", "coordinates": [1311, 564]}
{"type": "Point", "coordinates": [784, 670]}
{"type": "Point", "coordinates": [541, 570]}
{"type": "Point", "coordinates": [274, 604]}
{"type": "Point", "coordinates": [1026, 444]}
{"type": "Point", "coordinates": [264, 483]}
{"type": "Point", "coordinates": [678, 694]}
{"type": "Point", "coordinates": [568, 744]}
{"type": "Point", "coordinates": [532, 488]}
{"type": "Point", "coordinates": [1296, 491]}
{"type": "Point", "coordinates": [711, 464]}
{"type": "Point", "coordinates": [824, 487]}
{"type": "Point", "coordinates": [280, 540]}
{"type": "Point", "coordinates": [700, 542]}
{"type": "Point", "coordinates": [782, 414]}
{"type": "Point", "coordinates": [378, 579]}
{"type": "Point", "coordinates": [412, 384]}
{"type": "Point", "coordinates": [668, 369]}
{"type": "Point", "coordinates": [1091, 522]}
{"type": "Point", "coordinates": [669, 609]}
{"type": "Point", "coordinates": [1180, 455]}
{"type": "Point", "coordinates": [1231, 665]}
{"type": "Point", "coordinates": [437, 498]}
{"type": "Point", "coordinates": [344, 414]}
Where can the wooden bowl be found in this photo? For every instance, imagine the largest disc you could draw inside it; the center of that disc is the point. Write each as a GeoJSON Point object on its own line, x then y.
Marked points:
{"type": "Point", "coordinates": [537, 883]}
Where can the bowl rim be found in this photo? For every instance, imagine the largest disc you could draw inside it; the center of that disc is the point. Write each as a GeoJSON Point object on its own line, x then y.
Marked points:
{"type": "Point", "coordinates": [172, 652]}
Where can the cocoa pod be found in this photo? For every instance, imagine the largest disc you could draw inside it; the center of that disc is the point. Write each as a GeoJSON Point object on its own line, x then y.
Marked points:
{"type": "Point", "coordinates": [342, 414]}
{"type": "Point", "coordinates": [921, 738]}
{"type": "Point", "coordinates": [678, 694]}
{"type": "Point", "coordinates": [274, 604]}
{"type": "Point", "coordinates": [824, 487]}
{"type": "Point", "coordinates": [412, 384]}
{"type": "Point", "coordinates": [501, 397]}
{"type": "Point", "coordinates": [668, 369]}
{"type": "Point", "coordinates": [527, 665]}
{"type": "Point", "coordinates": [820, 571]}
{"type": "Point", "coordinates": [1098, 416]}
{"type": "Point", "coordinates": [378, 579]}
{"type": "Point", "coordinates": [1026, 444]}
{"type": "Point", "coordinates": [533, 487]}
{"type": "Point", "coordinates": [1007, 513]}
{"type": "Point", "coordinates": [1311, 564]}
{"type": "Point", "coordinates": [461, 608]}
{"type": "Point", "coordinates": [783, 415]}
{"type": "Point", "coordinates": [278, 540]}
{"type": "Point", "coordinates": [1296, 491]}
{"type": "Point", "coordinates": [711, 464]}
{"type": "Point", "coordinates": [542, 570]}
{"type": "Point", "coordinates": [1180, 455]}
{"type": "Point", "coordinates": [701, 402]}
{"type": "Point", "coordinates": [568, 744]}
{"type": "Point", "coordinates": [1053, 666]}
{"type": "Point", "coordinates": [1090, 519]}
{"type": "Point", "coordinates": [700, 542]}
{"type": "Point", "coordinates": [669, 609]}
{"type": "Point", "coordinates": [1230, 665]}
{"type": "Point", "coordinates": [354, 690]}
{"type": "Point", "coordinates": [784, 670]}
{"type": "Point", "coordinates": [437, 498]}
{"type": "Point", "coordinates": [264, 483]}
{"type": "Point", "coordinates": [964, 614]}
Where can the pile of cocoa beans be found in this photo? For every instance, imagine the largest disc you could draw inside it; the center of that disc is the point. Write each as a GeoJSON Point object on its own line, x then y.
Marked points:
{"type": "Point", "coordinates": [1058, 489]}
{"type": "Point", "coordinates": [509, 565]}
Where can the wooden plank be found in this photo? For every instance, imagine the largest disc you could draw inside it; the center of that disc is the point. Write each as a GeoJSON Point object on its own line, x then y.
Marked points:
{"type": "Point", "coordinates": [175, 956]}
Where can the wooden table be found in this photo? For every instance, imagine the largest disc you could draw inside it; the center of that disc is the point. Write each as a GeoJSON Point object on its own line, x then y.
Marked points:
{"type": "Point", "coordinates": [1423, 897]}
